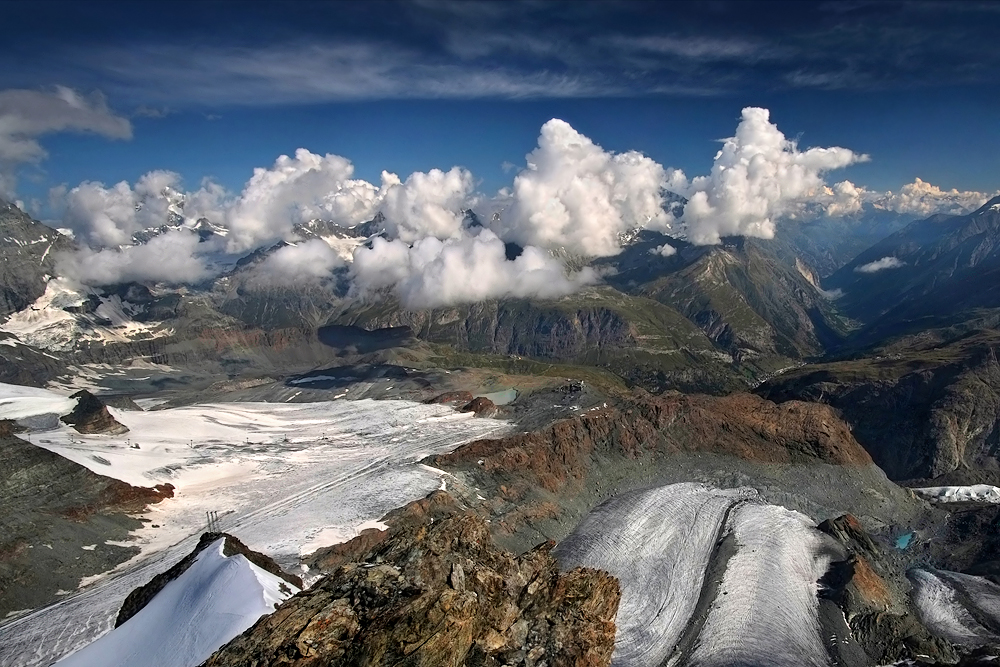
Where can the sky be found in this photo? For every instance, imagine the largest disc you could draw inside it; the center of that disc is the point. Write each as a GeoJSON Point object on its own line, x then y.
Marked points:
{"type": "Point", "coordinates": [218, 88]}
{"type": "Point", "coordinates": [569, 118]}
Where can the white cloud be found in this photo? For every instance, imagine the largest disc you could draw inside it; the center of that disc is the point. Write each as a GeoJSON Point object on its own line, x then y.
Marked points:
{"type": "Point", "coordinates": [880, 265]}
{"type": "Point", "coordinates": [920, 198]}
{"type": "Point", "coordinates": [294, 190]}
{"type": "Point", "coordinates": [577, 196]}
{"type": "Point", "coordinates": [757, 176]}
{"type": "Point", "coordinates": [109, 216]}
{"type": "Point", "coordinates": [434, 273]}
{"type": "Point", "coordinates": [426, 204]}
{"type": "Point", "coordinates": [308, 262]}
{"type": "Point", "coordinates": [169, 258]}
{"type": "Point", "coordinates": [26, 115]}
{"type": "Point", "coordinates": [665, 250]}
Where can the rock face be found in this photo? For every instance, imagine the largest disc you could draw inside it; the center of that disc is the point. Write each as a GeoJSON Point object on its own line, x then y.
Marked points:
{"type": "Point", "coordinates": [921, 411]}
{"type": "Point", "coordinates": [57, 520]}
{"type": "Point", "coordinates": [742, 425]}
{"type": "Point", "coordinates": [27, 254]}
{"type": "Point", "coordinates": [141, 596]}
{"type": "Point", "coordinates": [481, 407]}
{"type": "Point", "coordinates": [872, 594]}
{"type": "Point", "coordinates": [442, 594]}
{"type": "Point", "coordinates": [91, 416]}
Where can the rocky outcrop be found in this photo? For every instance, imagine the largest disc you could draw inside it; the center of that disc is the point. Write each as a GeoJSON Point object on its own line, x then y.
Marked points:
{"type": "Point", "coordinates": [872, 594]}
{"type": "Point", "coordinates": [141, 596]}
{"type": "Point", "coordinates": [28, 251]}
{"type": "Point", "coordinates": [441, 594]}
{"type": "Point", "coordinates": [481, 407]}
{"type": "Point", "coordinates": [921, 411]}
{"type": "Point", "coordinates": [59, 523]}
{"type": "Point", "coordinates": [453, 398]}
{"type": "Point", "coordinates": [91, 416]}
{"type": "Point", "coordinates": [740, 425]}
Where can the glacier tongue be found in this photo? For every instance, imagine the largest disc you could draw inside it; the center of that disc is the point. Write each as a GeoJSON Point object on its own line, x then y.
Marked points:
{"type": "Point", "coordinates": [709, 577]}
{"type": "Point", "coordinates": [766, 612]}
{"type": "Point", "coordinates": [952, 605]}
{"type": "Point", "coordinates": [658, 543]}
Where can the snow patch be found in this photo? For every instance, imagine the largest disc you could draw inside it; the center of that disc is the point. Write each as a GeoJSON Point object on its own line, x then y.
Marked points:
{"type": "Point", "coordinates": [982, 493]}
{"type": "Point", "coordinates": [216, 599]}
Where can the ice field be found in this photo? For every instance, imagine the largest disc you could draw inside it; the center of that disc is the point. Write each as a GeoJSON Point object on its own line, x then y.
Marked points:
{"type": "Point", "coordinates": [685, 602]}
{"type": "Point", "coordinates": [284, 478]}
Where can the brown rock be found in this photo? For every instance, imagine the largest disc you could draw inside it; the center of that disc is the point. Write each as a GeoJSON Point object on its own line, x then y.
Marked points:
{"type": "Point", "coordinates": [91, 416]}
{"type": "Point", "coordinates": [742, 425]}
{"type": "Point", "coordinates": [482, 406]}
{"type": "Point", "coordinates": [454, 398]}
{"type": "Point", "coordinates": [442, 594]}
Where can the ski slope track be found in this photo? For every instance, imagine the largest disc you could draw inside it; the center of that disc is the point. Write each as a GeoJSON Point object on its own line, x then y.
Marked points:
{"type": "Point", "coordinates": [284, 478]}
{"type": "Point", "coordinates": [709, 577]}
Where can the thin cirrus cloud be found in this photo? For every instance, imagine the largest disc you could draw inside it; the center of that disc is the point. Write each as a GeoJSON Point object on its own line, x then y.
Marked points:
{"type": "Point", "coordinates": [281, 74]}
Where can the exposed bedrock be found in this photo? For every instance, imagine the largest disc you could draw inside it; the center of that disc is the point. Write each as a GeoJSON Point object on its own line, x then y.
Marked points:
{"type": "Point", "coordinates": [440, 594]}
{"type": "Point", "coordinates": [91, 416]}
{"type": "Point", "coordinates": [922, 412]}
{"type": "Point", "coordinates": [60, 522]}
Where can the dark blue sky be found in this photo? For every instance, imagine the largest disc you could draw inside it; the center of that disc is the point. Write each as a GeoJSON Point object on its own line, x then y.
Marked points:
{"type": "Point", "coordinates": [215, 89]}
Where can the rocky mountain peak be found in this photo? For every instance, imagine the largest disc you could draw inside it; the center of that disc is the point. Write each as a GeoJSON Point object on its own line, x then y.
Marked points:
{"type": "Point", "coordinates": [440, 594]}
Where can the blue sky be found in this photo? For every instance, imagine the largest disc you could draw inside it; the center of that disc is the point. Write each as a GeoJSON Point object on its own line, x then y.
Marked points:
{"type": "Point", "coordinates": [216, 89]}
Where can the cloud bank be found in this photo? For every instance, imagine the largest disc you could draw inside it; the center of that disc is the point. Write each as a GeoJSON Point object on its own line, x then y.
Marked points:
{"type": "Point", "coordinates": [571, 198]}
{"type": "Point", "coordinates": [169, 258]}
{"type": "Point", "coordinates": [109, 216]}
{"type": "Point", "coordinates": [433, 273]}
{"type": "Point", "coordinates": [880, 265]}
{"type": "Point", "coordinates": [312, 261]}
{"type": "Point", "coordinates": [922, 199]}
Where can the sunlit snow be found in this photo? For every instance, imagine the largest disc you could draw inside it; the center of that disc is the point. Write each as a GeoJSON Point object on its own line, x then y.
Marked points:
{"type": "Point", "coordinates": [214, 600]}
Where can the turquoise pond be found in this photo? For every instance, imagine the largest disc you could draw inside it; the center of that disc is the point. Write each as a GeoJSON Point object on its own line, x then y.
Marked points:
{"type": "Point", "coordinates": [904, 540]}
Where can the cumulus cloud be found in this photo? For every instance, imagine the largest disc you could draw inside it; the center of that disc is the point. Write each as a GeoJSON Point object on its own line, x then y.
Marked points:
{"type": "Point", "coordinates": [665, 250]}
{"type": "Point", "coordinates": [26, 115]}
{"type": "Point", "coordinates": [757, 176]}
{"type": "Point", "coordinates": [109, 216]}
{"type": "Point", "coordinates": [426, 204]}
{"type": "Point", "coordinates": [308, 262]}
{"type": "Point", "coordinates": [169, 258]}
{"type": "Point", "coordinates": [575, 195]}
{"type": "Point", "coordinates": [297, 189]}
{"type": "Point", "coordinates": [433, 273]}
{"type": "Point", "coordinates": [880, 265]}
{"type": "Point", "coordinates": [921, 198]}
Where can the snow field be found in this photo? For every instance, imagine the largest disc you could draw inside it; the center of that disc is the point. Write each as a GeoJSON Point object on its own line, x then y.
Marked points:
{"type": "Point", "coordinates": [983, 493]}
{"type": "Point", "coordinates": [284, 478]}
{"type": "Point", "coordinates": [216, 599]}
